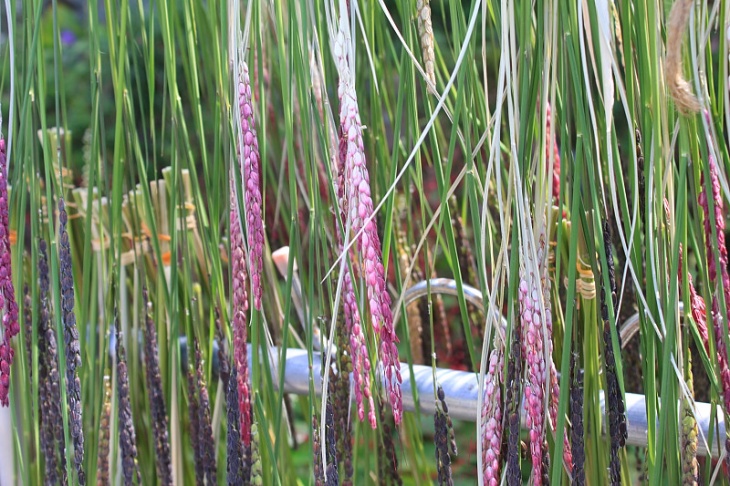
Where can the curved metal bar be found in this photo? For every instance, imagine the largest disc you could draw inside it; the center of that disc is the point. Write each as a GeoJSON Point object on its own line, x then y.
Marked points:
{"type": "Point", "coordinates": [631, 325]}
{"type": "Point", "coordinates": [461, 387]}
{"type": "Point", "coordinates": [445, 286]}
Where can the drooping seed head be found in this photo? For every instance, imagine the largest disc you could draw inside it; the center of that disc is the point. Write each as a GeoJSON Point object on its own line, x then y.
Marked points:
{"type": "Point", "coordinates": [250, 164]}
{"type": "Point", "coordinates": [71, 338]}
{"type": "Point", "coordinates": [492, 416]}
{"type": "Point", "coordinates": [239, 306]}
{"type": "Point", "coordinates": [127, 436]}
{"type": "Point", "coordinates": [425, 33]}
{"type": "Point", "coordinates": [357, 206]}
{"type": "Point", "coordinates": [8, 305]}
{"type": "Point", "coordinates": [535, 383]}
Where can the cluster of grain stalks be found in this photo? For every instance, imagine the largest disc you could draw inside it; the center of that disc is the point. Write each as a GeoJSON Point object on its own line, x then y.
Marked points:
{"type": "Point", "coordinates": [448, 209]}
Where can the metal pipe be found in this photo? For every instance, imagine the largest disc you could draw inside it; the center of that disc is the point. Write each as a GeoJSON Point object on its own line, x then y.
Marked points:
{"type": "Point", "coordinates": [461, 389]}
{"type": "Point", "coordinates": [444, 286]}
{"type": "Point", "coordinates": [7, 445]}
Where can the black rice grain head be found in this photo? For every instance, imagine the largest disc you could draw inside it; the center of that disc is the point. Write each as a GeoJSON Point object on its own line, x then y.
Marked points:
{"type": "Point", "coordinates": [235, 469]}
{"type": "Point", "coordinates": [453, 450]}
{"type": "Point", "coordinates": [442, 440]}
{"type": "Point", "coordinates": [616, 409]}
{"type": "Point", "coordinates": [194, 417]}
{"type": "Point", "coordinates": [127, 436]}
{"type": "Point", "coordinates": [316, 451]}
{"type": "Point", "coordinates": [102, 461]}
{"type": "Point", "coordinates": [28, 325]}
{"type": "Point", "coordinates": [340, 407]}
{"type": "Point", "coordinates": [332, 476]}
{"type": "Point", "coordinates": [47, 440]}
{"type": "Point", "coordinates": [640, 172]}
{"type": "Point", "coordinates": [71, 338]}
{"type": "Point", "coordinates": [224, 367]}
{"type": "Point", "coordinates": [156, 396]}
{"type": "Point", "coordinates": [205, 429]}
{"type": "Point", "coordinates": [52, 437]}
{"type": "Point", "coordinates": [387, 460]}
{"type": "Point", "coordinates": [576, 417]}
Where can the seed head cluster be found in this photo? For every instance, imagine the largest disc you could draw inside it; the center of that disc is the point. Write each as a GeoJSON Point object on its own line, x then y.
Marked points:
{"type": "Point", "coordinates": [341, 404]}
{"type": "Point", "coordinates": [360, 359]}
{"type": "Point", "coordinates": [576, 419]}
{"type": "Point", "coordinates": [554, 385]}
{"type": "Point", "coordinates": [331, 478]}
{"type": "Point", "coordinates": [535, 383]}
{"type": "Point", "coordinates": [156, 396]}
{"type": "Point", "coordinates": [425, 32]}
{"type": "Point", "coordinates": [551, 145]}
{"type": "Point", "coordinates": [127, 436]}
{"type": "Point", "coordinates": [720, 326]}
{"type": "Point", "coordinates": [640, 172]}
{"type": "Point", "coordinates": [387, 459]}
{"type": "Point", "coordinates": [239, 305]}
{"type": "Point", "coordinates": [357, 205]}
{"type": "Point", "coordinates": [257, 471]}
{"type": "Point", "coordinates": [492, 416]}
{"type": "Point", "coordinates": [71, 337]}
{"type": "Point", "coordinates": [697, 305]}
{"type": "Point", "coordinates": [513, 407]}
{"type": "Point", "coordinates": [444, 439]}
{"type": "Point", "coordinates": [8, 305]}
{"type": "Point", "coordinates": [616, 411]}
{"type": "Point", "coordinates": [194, 418]}
{"type": "Point", "coordinates": [52, 438]}
{"type": "Point", "coordinates": [236, 459]}
{"type": "Point", "coordinates": [205, 428]}
{"type": "Point", "coordinates": [250, 162]}
{"type": "Point", "coordinates": [690, 432]}
{"type": "Point", "coordinates": [102, 462]}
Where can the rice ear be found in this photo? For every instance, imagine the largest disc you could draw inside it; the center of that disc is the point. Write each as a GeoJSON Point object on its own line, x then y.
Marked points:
{"type": "Point", "coordinates": [127, 435]}
{"type": "Point", "coordinates": [492, 416]}
{"type": "Point", "coordinates": [679, 88]}
{"type": "Point", "coordinates": [576, 419]}
{"type": "Point", "coordinates": [71, 337]}
{"type": "Point", "coordinates": [689, 431]}
{"type": "Point", "coordinates": [102, 463]}
{"type": "Point", "coordinates": [425, 32]}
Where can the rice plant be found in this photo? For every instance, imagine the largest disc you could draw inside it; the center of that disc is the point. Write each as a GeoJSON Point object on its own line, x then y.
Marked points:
{"type": "Point", "coordinates": [364, 242]}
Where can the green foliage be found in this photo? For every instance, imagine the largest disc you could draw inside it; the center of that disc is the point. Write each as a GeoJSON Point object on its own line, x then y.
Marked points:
{"type": "Point", "coordinates": [146, 91]}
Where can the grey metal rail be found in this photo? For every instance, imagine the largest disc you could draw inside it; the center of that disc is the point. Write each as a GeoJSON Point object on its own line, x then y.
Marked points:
{"type": "Point", "coordinates": [461, 387]}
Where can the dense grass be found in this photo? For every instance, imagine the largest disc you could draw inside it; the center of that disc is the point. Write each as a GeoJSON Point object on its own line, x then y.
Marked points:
{"type": "Point", "coordinates": [146, 93]}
